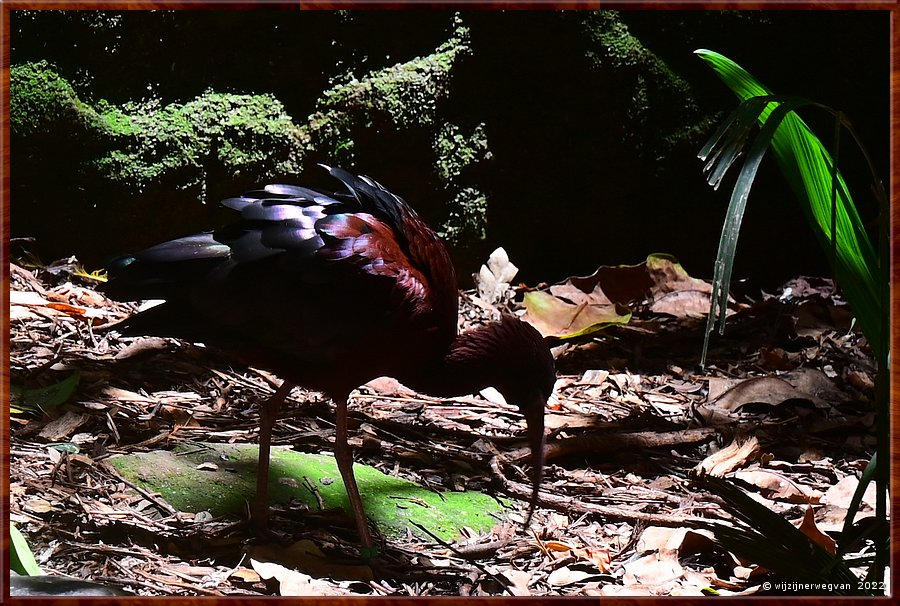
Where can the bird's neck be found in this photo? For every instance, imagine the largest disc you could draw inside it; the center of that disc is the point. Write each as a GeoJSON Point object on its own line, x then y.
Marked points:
{"type": "Point", "coordinates": [465, 368]}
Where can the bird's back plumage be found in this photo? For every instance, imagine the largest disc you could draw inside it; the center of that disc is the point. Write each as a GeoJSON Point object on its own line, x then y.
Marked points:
{"type": "Point", "coordinates": [307, 283]}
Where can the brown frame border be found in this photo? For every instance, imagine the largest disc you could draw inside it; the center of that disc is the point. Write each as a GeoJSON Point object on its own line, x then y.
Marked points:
{"type": "Point", "coordinates": [9, 5]}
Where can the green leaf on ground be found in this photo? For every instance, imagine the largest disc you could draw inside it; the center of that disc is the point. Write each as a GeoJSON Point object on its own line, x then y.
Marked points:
{"type": "Point", "coordinates": [44, 398]}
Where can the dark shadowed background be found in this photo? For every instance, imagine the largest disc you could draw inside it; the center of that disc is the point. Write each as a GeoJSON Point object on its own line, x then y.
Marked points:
{"type": "Point", "coordinates": [569, 138]}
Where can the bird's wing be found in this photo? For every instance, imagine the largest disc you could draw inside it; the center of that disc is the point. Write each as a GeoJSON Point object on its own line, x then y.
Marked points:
{"type": "Point", "coordinates": [414, 237]}
{"type": "Point", "coordinates": [301, 273]}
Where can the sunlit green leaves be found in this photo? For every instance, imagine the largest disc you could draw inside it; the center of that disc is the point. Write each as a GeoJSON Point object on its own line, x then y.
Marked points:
{"type": "Point", "coordinates": [808, 167]}
{"type": "Point", "coordinates": [860, 271]}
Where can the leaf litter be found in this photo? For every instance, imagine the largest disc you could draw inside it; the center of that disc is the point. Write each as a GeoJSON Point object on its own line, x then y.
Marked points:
{"type": "Point", "coordinates": [786, 410]}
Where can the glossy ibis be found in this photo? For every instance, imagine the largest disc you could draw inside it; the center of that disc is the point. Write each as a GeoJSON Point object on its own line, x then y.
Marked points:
{"type": "Point", "coordinates": [329, 291]}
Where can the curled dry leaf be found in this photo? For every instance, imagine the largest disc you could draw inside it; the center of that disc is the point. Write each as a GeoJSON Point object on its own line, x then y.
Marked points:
{"type": "Point", "coordinates": [567, 576]}
{"type": "Point", "coordinates": [841, 493]}
{"type": "Point", "coordinates": [597, 556]}
{"type": "Point", "coordinates": [519, 581]}
{"type": "Point", "coordinates": [294, 583]}
{"type": "Point", "coordinates": [655, 569]}
{"type": "Point", "coordinates": [777, 486]}
{"type": "Point", "coordinates": [809, 528]}
{"type": "Point", "coordinates": [732, 456]}
{"type": "Point", "coordinates": [683, 541]}
{"type": "Point", "coordinates": [246, 575]}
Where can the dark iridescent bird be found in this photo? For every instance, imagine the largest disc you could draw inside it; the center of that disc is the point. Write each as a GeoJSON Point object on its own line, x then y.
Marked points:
{"type": "Point", "coordinates": [330, 291]}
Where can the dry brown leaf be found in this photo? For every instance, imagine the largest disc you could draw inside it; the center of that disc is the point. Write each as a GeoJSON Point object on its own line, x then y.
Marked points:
{"type": "Point", "coordinates": [778, 486]}
{"type": "Point", "coordinates": [593, 377]}
{"type": "Point", "coordinates": [246, 575]}
{"type": "Point", "coordinates": [813, 381]}
{"type": "Point", "coordinates": [627, 590]}
{"type": "Point", "coordinates": [38, 506]}
{"type": "Point", "coordinates": [294, 583]}
{"type": "Point", "coordinates": [764, 390]}
{"type": "Point", "coordinates": [655, 568]}
{"type": "Point", "coordinates": [519, 581]}
{"type": "Point", "coordinates": [655, 538]}
{"type": "Point", "coordinates": [682, 304]}
{"type": "Point", "coordinates": [732, 456]}
{"type": "Point", "coordinates": [809, 528]}
{"type": "Point", "coordinates": [566, 576]}
{"type": "Point", "coordinates": [841, 493]}
{"type": "Point", "coordinates": [597, 556]}
{"type": "Point", "coordinates": [860, 380]}
{"type": "Point", "coordinates": [685, 541]}
{"type": "Point", "coordinates": [719, 385]}
{"type": "Point", "coordinates": [557, 546]}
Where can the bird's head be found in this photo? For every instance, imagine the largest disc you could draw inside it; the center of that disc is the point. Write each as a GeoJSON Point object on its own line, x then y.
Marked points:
{"type": "Point", "coordinates": [514, 358]}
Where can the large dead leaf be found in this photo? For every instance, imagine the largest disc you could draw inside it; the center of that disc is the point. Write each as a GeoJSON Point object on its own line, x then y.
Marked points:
{"type": "Point", "coordinates": [294, 583]}
{"type": "Point", "coordinates": [554, 317]}
{"type": "Point", "coordinates": [567, 576]}
{"type": "Point", "coordinates": [305, 556]}
{"type": "Point", "coordinates": [519, 581]}
{"type": "Point", "coordinates": [761, 390]}
{"type": "Point", "coordinates": [777, 486]}
{"type": "Point", "coordinates": [654, 569]}
{"type": "Point", "coordinates": [646, 282]}
{"type": "Point", "coordinates": [584, 304]}
{"type": "Point", "coordinates": [841, 493]}
{"type": "Point", "coordinates": [728, 396]}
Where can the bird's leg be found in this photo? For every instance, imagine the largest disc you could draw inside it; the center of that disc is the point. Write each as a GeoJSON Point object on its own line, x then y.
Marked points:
{"type": "Point", "coordinates": [344, 458]}
{"type": "Point", "coordinates": [268, 414]}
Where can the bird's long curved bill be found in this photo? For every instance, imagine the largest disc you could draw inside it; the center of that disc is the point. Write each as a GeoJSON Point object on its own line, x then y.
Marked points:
{"type": "Point", "coordinates": [534, 420]}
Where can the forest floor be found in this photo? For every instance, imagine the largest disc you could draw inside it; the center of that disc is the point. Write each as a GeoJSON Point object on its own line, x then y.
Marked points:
{"type": "Point", "coordinates": [783, 408]}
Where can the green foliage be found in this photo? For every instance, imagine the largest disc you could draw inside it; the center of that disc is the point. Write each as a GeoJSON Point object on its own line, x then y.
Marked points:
{"type": "Point", "coordinates": [40, 98]}
{"type": "Point", "coordinates": [405, 95]}
{"type": "Point", "coordinates": [44, 398]}
{"type": "Point", "coordinates": [808, 168]}
{"type": "Point", "coordinates": [455, 150]}
{"type": "Point", "coordinates": [239, 132]}
{"type": "Point", "coordinates": [653, 89]}
{"type": "Point", "coordinates": [21, 559]}
{"type": "Point", "coordinates": [143, 143]}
